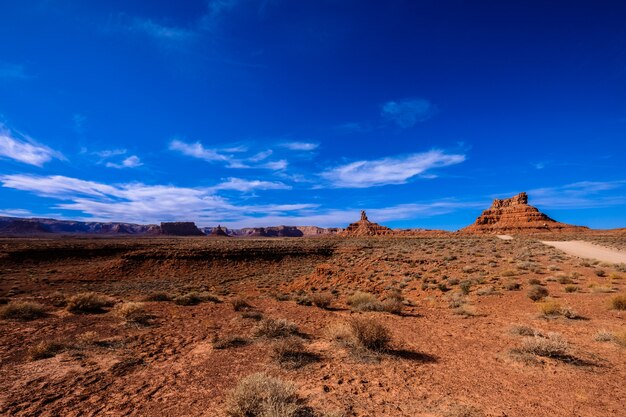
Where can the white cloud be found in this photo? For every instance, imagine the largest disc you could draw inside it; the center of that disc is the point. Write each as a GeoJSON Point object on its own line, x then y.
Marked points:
{"type": "Point", "coordinates": [238, 184]}
{"type": "Point", "coordinates": [108, 153]}
{"type": "Point", "coordinates": [197, 150]}
{"type": "Point", "coordinates": [578, 195]}
{"type": "Point", "coordinates": [275, 165]}
{"type": "Point", "coordinates": [406, 113]}
{"type": "Point", "coordinates": [24, 149]}
{"type": "Point", "coordinates": [132, 161]}
{"type": "Point", "coordinates": [159, 31]}
{"type": "Point", "coordinates": [391, 170]}
{"type": "Point", "coordinates": [301, 146]}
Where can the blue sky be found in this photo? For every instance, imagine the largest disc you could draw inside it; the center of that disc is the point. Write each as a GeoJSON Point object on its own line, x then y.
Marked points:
{"type": "Point", "coordinates": [261, 112]}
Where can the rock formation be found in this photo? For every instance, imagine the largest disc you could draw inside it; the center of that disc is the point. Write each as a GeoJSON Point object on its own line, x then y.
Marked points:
{"type": "Point", "coordinates": [513, 215]}
{"type": "Point", "coordinates": [218, 231]}
{"type": "Point", "coordinates": [180, 229]}
{"type": "Point", "coordinates": [364, 227]}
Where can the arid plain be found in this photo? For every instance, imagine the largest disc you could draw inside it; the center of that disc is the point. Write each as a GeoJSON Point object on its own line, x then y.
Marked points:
{"type": "Point", "coordinates": [471, 326]}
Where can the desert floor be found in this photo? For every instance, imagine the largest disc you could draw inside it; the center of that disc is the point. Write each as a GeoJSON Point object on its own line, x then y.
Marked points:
{"type": "Point", "coordinates": [466, 338]}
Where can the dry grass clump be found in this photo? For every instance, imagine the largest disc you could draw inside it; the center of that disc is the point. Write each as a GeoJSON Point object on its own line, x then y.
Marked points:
{"type": "Point", "coordinates": [604, 336]}
{"type": "Point", "coordinates": [89, 302]}
{"type": "Point", "coordinates": [571, 288]}
{"type": "Point", "coordinates": [291, 353]}
{"type": "Point", "coordinates": [620, 338]}
{"type": "Point", "coordinates": [158, 296]}
{"type": "Point", "coordinates": [537, 292]}
{"type": "Point", "coordinates": [550, 308]}
{"type": "Point", "coordinates": [551, 346]}
{"type": "Point", "coordinates": [322, 300]}
{"type": "Point", "coordinates": [618, 302]}
{"type": "Point", "coordinates": [45, 349]}
{"type": "Point", "coordinates": [240, 304]}
{"type": "Point", "coordinates": [524, 331]}
{"type": "Point", "coordinates": [259, 395]}
{"type": "Point", "coordinates": [193, 298]}
{"type": "Point", "coordinates": [22, 310]}
{"type": "Point", "coordinates": [362, 301]}
{"type": "Point", "coordinates": [512, 286]}
{"type": "Point", "coordinates": [230, 342]}
{"type": "Point", "coordinates": [369, 333]}
{"type": "Point", "coordinates": [133, 313]}
{"type": "Point", "coordinates": [466, 311]}
{"type": "Point", "coordinates": [275, 328]}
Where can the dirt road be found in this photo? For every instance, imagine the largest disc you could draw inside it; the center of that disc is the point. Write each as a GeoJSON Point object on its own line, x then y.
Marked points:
{"type": "Point", "coordinates": [589, 250]}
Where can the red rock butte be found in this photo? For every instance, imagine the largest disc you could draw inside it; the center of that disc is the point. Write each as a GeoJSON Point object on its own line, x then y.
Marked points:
{"type": "Point", "coordinates": [364, 227]}
{"type": "Point", "coordinates": [516, 215]}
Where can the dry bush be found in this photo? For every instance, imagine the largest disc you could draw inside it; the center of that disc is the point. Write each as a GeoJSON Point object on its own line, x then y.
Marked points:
{"type": "Point", "coordinates": [58, 299]}
{"type": "Point", "coordinates": [363, 301]}
{"type": "Point", "coordinates": [240, 304]}
{"type": "Point", "coordinates": [551, 346]}
{"type": "Point", "coordinates": [486, 291]}
{"type": "Point", "coordinates": [89, 302]}
{"type": "Point", "coordinates": [600, 272]}
{"type": "Point", "coordinates": [618, 302]}
{"type": "Point", "coordinates": [22, 310]}
{"type": "Point", "coordinates": [133, 313]}
{"type": "Point", "coordinates": [571, 288]}
{"type": "Point", "coordinates": [45, 349]}
{"type": "Point", "coordinates": [322, 300]}
{"type": "Point", "coordinates": [189, 299]}
{"type": "Point", "coordinates": [465, 286]}
{"type": "Point", "coordinates": [370, 334]}
{"type": "Point", "coordinates": [534, 281]}
{"type": "Point", "coordinates": [158, 296]}
{"type": "Point", "coordinates": [466, 310]}
{"type": "Point", "coordinates": [253, 315]}
{"type": "Point", "coordinates": [230, 342]}
{"type": "Point", "coordinates": [512, 286]}
{"type": "Point", "coordinates": [537, 292]}
{"type": "Point", "coordinates": [275, 328]}
{"type": "Point", "coordinates": [524, 331]}
{"type": "Point", "coordinates": [550, 308]}
{"type": "Point", "coordinates": [259, 395]}
{"type": "Point", "coordinates": [604, 336]}
{"type": "Point", "coordinates": [291, 353]}
{"type": "Point", "coordinates": [620, 338]}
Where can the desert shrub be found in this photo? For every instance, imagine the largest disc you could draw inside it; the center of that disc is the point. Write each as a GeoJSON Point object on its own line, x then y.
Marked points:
{"type": "Point", "coordinates": [550, 308]}
{"type": "Point", "coordinates": [322, 300]}
{"type": "Point", "coordinates": [253, 315]}
{"type": "Point", "coordinates": [291, 352]}
{"type": "Point", "coordinates": [571, 288]}
{"type": "Point", "coordinates": [524, 331]}
{"type": "Point", "coordinates": [303, 300]}
{"type": "Point", "coordinates": [22, 310]}
{"type": "Point", "coordinates": [133, 313]}
{"type": "Point", "coordinates": [618, 302]}
{"type": "Point", "coordinates": [275, 328]}
{"type": "Point", "coordinates": [369, 333]}
{"type": "Point", "coordinates": [604, 336]}
{"type": "Point", "coordinates": [601, 289]}
{"type": "Point", "coordinates": [534, 281]}
{"type": "Point", "coordinates": [486, 291]}
{"type": "Point", "coordinates": [537, 292]}
{"type": "Point", "coordinates": [443, 287]}
{"type": "Point", "coordinates": [552, 346]}
{"type": "Point", "coordinates": [259, 395]}
{"type": "Point", "coordinates": [620, 338]}
{"type": "Point", "coordinates": [600, 272]}
{"type": "Point", "coordinates": [58, 299]}
{"type": "Point", "coordinates": [189, 299]}
{"type": "Point", "coordinates": [240, 304]}
{"type": "Point", "coordinates": [158, 296]}
{"type": "Point", "coordinates": [509, 273]}
{"type": "Point", "coordinates": [45, 349]}
{"type": "Point", "coordinates": [564, 279]}
{"type": "Point", "coordinates": [89, 302]}
{"type": "Point", "coordinates": [282, 297]}
{"type": "Point", "coordinates": [363, 301]}
{"type": "Point", "coordinates": [465, 310]}
{"type": "Point", "coordinates": [465, 286]}
{"type": "Point", "coordinates": [512, 286]}
{"type": "Point", "coordinates": [230, 342]}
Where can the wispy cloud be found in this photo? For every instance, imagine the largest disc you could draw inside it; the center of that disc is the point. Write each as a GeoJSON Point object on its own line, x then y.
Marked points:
{"type": "Point", "coordinates": [390, 170]}
{"type": "Point", "coordinates": [238, 184]}
{"type": "Point", "coordinates": [160, 31]}
{"type": "Point", "coordinates": [13, 71]}
{"type": "Point", "coordinates": [132, 161]}
{"type": "Point", "coordinates": [407, 113]}
{"type": "Point", "coordinates": [24, 149]}
{"type": "Point", "coordinates": [300, 146]}
{"type": "Point", "coordinates": [579, 195]}
{"type": "Point", "coordinates": [257, 160]}
{"type": "Point", "coordinates": [109, 153]}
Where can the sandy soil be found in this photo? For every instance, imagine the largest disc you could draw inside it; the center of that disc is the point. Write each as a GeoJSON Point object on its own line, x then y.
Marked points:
{"type": "Point", "coordinates": [589, 251]}
{"type": "Point", "coordinates": [505, 237]}
{"type": "Point", "coordinates": [454, 350]}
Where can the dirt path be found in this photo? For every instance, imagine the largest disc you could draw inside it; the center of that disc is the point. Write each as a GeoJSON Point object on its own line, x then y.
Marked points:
{"type": "Point", "coordinates": [589, 250]}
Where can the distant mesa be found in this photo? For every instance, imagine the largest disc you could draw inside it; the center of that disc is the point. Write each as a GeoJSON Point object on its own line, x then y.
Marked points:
{"type": "Point", "coordinates": [218, 231]}
{"type": "Point", "coordinates": [180, 229]}
{"type": "Point", "coordinates": [516, 215]}
{"type": "Point", "coordinates": [364, 227]}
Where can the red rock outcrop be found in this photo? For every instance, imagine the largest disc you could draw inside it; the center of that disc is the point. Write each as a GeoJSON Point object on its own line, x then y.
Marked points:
{"type": "Point", "coordinates": [514, 215]}
{"type": "Point", "coordinates": [218, 231]}
{"type": "Point", "coordinates": [364, 227]}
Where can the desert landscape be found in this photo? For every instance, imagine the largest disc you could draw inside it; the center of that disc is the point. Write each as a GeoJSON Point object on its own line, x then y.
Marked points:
{"type": "Point", "coordinates": [487, 321]}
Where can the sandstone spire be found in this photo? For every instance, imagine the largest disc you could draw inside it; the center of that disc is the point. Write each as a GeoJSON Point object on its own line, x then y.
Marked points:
{"type": "Point", "coordinates": [364, 227]}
